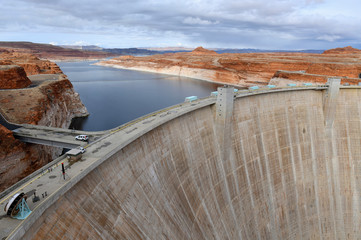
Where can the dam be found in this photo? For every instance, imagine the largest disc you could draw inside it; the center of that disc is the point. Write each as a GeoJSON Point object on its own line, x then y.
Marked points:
{"type": "Point", "coordinates": [273, 164]}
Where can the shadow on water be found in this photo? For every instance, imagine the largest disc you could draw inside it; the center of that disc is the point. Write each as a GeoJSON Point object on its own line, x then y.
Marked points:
{"type": "Point", "coordinates": [78, 123]}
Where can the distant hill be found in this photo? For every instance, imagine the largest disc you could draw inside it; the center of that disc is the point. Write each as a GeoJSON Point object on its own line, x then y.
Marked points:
{"type": "Point", "coordinates": [53, 52]}
{"type": "Point", "coordinates": [134, 51]}
{"type": "Point", "coordinates": [91, 51]}
{"type": "Point", "coordinates": [253, 50]}
{"type": "Point", "coordinates": [129, 51]}
{"type": "Point", "coordinates": [344, 50]}
{"type": "Point", "coordinates": [160, 50]}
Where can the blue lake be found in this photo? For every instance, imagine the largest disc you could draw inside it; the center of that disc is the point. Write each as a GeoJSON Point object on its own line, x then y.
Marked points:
{"type": "Point", "coordinates": [116, 96]}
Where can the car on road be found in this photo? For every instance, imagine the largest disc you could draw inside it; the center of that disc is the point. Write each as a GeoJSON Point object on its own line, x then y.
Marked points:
{"type": "Point", "coordinates": [82, 138]}
{"type": "Point", "coordinates": [81, 149]}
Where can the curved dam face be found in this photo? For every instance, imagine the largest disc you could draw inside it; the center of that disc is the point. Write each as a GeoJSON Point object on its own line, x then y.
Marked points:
{"type": "Point", "coordinates": [276, 172]}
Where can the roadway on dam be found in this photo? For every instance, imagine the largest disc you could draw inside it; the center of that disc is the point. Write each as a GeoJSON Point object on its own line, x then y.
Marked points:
{"type": "Point", "coordinates": [291, 172]}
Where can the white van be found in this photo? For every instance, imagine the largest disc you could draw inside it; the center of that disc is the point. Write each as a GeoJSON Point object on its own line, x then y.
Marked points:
{"type": "Point", "coordinates": [82, 138]}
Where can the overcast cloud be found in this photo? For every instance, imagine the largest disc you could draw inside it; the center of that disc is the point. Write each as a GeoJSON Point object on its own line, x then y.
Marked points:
{"type": "Point", "coordinates": [264, 24]}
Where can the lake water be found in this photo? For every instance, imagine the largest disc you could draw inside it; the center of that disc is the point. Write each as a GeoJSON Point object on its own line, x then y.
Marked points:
{"type": "Point", "coordinates": [116, 96]}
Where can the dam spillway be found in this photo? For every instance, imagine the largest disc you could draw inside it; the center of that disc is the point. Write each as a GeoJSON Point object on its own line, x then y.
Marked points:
{"type": "Point", "coordinates": [286, 174]}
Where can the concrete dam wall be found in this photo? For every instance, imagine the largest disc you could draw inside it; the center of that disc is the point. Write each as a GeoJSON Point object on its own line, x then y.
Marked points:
{"type": "Point", "coordinates": [284, 166]}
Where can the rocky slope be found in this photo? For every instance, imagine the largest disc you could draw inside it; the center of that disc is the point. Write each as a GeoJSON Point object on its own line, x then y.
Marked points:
{"type": "Point", "coordinates": [249, 68]}
{"type": "Point", "coordinates": [48, 100]}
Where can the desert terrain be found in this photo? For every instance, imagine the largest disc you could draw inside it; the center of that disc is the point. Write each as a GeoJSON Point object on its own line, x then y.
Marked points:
{"type": "Point", "coordinates": [248, 69]}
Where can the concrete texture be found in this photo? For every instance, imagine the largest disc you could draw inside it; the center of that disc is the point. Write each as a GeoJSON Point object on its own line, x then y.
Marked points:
{"type": "Point", "coordinates": [288, 175]}
{"type": "Point", "coordinates": [330, 100]}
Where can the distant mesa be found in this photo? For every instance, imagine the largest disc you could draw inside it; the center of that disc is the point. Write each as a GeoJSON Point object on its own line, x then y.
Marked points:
{"type": "Point", "coordinates": [201, 50]}
{"type": "Point", "coordinates": [344, 50]}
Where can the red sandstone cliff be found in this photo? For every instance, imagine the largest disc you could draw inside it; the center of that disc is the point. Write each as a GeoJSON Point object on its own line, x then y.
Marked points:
{"type": "Point", "coordinates": [248, 68]}
{"type": "Point", "coordinates": [50, 101]}
{"type": "Point", "coordinates": [18, 159]}
{"type": "Point", "coordinates": [13, 77]}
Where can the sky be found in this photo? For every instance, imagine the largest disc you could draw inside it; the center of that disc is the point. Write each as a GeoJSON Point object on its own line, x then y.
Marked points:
{"type": "Point", "coordinates": [261, 24]}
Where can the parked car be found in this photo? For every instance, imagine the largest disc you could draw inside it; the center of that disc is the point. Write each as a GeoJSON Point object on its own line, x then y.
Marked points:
{"type": "Point", "coordinates": [82, 138]}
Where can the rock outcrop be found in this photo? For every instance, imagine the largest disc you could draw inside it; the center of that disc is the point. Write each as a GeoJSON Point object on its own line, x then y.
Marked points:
{"type": "Point", "coordinates": [30, 63]}
{"type": "Point", "coordinates": [50, 101]}
{"type": "Point", "coordinates": [13, 77]}
{"type": "Point", "coordinates": [246, 69]}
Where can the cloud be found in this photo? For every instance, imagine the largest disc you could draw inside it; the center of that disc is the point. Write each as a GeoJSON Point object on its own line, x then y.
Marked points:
{"type": "Point", "coordinates": [198, 21]}
{"type": "Point", "coordinates": [215, 23]}
{"type": "Point", "coordinates": [80, 43]}
{"type": "Point", "coordinates": [314, 1]}
{"type": "Point", "coordinates": [329, 38]}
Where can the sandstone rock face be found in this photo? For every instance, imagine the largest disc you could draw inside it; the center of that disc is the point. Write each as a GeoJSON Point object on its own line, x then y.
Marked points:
{"type": "Point", "coordinates": [247, 69]}
{"type": "Point", "coordinates": [31, 64]}
{"type": "Point", "coordinates": [13, 77]}
{"type": "Point", "coordinates": [51, 101]}
{"type": "Point", "coordinates": [18, 159]}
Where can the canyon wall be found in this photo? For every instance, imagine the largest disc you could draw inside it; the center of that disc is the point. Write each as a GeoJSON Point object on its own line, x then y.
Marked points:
{"type": "Point", "coordinates": [32, 91]}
